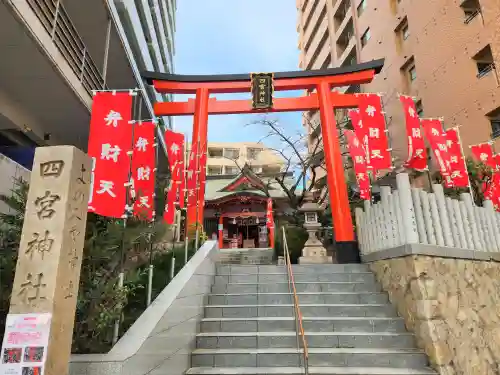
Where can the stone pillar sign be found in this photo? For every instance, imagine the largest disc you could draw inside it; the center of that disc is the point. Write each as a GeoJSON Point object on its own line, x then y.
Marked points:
{"type": "Point", "coordinates": [48, 267]}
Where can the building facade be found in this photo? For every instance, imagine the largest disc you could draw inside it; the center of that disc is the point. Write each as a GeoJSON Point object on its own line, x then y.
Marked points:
{"type": "Point", "coordinates": [225, 158]}
{"type": "Point", "coordinates": [444, 53]}
{"type": "Point", "coordinates": [56, 53]}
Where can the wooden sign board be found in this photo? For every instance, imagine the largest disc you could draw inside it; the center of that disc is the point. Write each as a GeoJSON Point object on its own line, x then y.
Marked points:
{"type": "Point", "coordinates": [262, 90]}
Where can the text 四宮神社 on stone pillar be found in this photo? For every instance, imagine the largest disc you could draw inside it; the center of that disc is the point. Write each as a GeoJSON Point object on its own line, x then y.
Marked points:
{"type": "Point", "coordinates": [50, 253]}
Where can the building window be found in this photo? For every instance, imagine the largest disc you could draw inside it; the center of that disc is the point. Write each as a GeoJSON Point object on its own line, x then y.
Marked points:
{"type": "Point", "coordinates": [484, 61]}
{"type": "Point", "coordinates": [214, 170]}
{"type": "Point", "coordinates": [495, 128]}
{"type": "Point", "coordinates": [215, 152]}
{"type": "Point", "coordinates": [405, 32]}
{"type": "Point", "coordinates": [253, 153]}
{"type": "Point", "coordinates": [412, 73]}
{"type": "Point", "coordinates": [365, 37]}
{"type": "Point", "coordinates": [471, 9]}
{"type": "Point", "coordinates": [494, 118]}
{"type": "Point", "coordinates": [361, 7]}
{"type": "Point", "coordinates": [231, 170]}
{"type": "Point", "coordinates": [256, 169]}
{"type": "Point", "coordinates": [232, 153]}
{"type": "Point", "coordinates": [420, 108]}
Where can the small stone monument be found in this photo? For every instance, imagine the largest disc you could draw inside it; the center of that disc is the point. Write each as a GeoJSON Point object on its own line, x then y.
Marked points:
{"type": "Point", "coordinates": [47, 275]}
{"type": "Point", "coordinates": [313, 251]}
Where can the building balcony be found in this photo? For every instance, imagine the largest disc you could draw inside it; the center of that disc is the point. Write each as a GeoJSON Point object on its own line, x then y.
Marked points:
{"type": "Point", "coordinates": [53, 57]}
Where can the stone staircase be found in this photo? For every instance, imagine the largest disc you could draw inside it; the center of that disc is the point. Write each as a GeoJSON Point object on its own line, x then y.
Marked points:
{"type": "Point", "coordinates": [246, 256]}
{"type": "Point", "coordinates": [350, 326]}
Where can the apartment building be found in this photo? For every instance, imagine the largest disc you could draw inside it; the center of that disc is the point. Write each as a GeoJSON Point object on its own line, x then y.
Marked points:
{"type": "Point", "coordinates": [54, 53]}
{"type": "Point", "coordinates": [444, 53]}
{"type": "Point", "coordinates": [226, 158]}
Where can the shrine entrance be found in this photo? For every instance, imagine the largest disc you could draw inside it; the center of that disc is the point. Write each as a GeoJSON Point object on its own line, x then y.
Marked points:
{"type": "Point", "coordinates": [261, 87]}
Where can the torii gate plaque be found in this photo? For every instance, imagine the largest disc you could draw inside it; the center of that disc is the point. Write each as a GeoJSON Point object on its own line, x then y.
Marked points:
{"type": "Point", "coordinates": [324, 99]}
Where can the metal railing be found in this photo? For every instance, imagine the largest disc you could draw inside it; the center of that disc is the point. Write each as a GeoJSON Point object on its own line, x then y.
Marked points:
{"type": "Point", "coordinates": [299, 327]}
{"type": "Point", "coordinates": [58, 24]}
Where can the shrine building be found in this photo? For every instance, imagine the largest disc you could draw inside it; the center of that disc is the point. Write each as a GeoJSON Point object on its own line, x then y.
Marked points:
{"type": "Point", "coordinates": [236, 206]}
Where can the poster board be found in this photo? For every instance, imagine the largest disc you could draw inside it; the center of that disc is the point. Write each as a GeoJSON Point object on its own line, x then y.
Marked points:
{"type": "Point", "coordinates": [24, 346]}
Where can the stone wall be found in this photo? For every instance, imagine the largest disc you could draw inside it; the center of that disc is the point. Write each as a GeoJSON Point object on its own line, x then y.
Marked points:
{"type": "Point", "coordinates": [451, 302]}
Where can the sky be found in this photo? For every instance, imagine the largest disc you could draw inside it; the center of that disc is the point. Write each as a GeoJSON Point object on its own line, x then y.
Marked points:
{"type": "Point", "coordinates": [236, 36]}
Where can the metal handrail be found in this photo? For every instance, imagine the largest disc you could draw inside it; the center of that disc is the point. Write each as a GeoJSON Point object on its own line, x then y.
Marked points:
{"type": "Point", "coordinates": [58, 24]}
{"type": "Point", "coordinates": [299, 327]}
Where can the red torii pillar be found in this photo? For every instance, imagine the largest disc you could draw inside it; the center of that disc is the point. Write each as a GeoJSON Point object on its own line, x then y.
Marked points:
{"type": "Point", "coordinates": [324, 99]}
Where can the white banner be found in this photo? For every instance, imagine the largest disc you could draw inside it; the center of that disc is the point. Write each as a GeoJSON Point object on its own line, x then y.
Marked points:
{"type": "Point", "coordinates": [25, 341]}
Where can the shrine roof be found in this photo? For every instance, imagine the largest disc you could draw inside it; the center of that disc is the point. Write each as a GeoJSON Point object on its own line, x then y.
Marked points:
{"type": "Point", "coordinates": [220, 186]}
{"type": "Point", "coordinates": [376, 65]}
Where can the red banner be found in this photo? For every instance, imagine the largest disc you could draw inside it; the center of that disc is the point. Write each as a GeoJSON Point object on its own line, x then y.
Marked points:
{"type": "Point", "coordinates": [182, 187]}
{"type": "Point", "coordinates": [144, 170]}
{"type": "Point", "coordinates": [110, 139]}
{"type": "Point", "coordinates": [458, 169]}
{"type": "Point", "coordinates": [360, 168]}
{"type": "Point", "coordinates": [202, 177]}
{"type": "Point", "coordinates": [417, 156]}
{"type": "Point", "coordinates": [434, 132]}
{"type": "Point", "coordinates": [361, 133]}
{"type": "Point", "coordinates": [484, 153]}
{"type": "Point", "coordinates": [192, 179]}
{"type": "Point", "coordinates": [269, 213]}
{"type": "Point", "coordinates": [174, 142]}
{"type": "Point", "coordinates": [496, 161]}
{"type": "Point", "coordinates": [372, 117]}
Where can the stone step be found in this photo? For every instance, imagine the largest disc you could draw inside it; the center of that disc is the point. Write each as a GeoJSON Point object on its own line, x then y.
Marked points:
{"type": "Point", "coordinates": [227, 340]}
{"type": "Point", "coordinates": [301, 287]}
{"type": "Point", "coordinates": [312, 370]}
{"type": "Point", "coordinates": [253, 311]}
{"type": "Point", "coordinates": [298, 277]}
{"type": "Point", "coordinates": [224, 269]}
{"type": "Point", "coordinates": [304, 298]}
{"type": "Point", "coordinates": [274, 357]}
{"type": "Point", "coordinates": [310, 324]}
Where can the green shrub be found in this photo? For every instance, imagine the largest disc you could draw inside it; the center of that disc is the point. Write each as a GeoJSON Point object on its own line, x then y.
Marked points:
{"type": "Point", "coordinates": [296, 238]}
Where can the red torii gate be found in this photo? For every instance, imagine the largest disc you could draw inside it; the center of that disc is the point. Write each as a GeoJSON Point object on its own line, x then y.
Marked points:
{"type": "Point", "coordinates": [324, 99]}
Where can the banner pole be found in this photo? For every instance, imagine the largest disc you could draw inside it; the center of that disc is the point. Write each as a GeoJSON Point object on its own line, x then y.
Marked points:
{"type": "Point", "coordinates": [153, 220]}
{"type": "Point", "coordinates": [197, 193]}
{"type": "Point", "coordinates": [121, 276]}
{"type": "Point", "coordinates": [185, 196]}
{"type": "Point", "coordinates": [471, 191]}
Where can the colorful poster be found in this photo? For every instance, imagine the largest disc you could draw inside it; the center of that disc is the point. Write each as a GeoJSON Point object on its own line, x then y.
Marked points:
{"type": "Point", "coordinates": [25, 342]}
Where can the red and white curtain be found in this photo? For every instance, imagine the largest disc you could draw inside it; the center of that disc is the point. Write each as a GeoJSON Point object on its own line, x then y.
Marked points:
{"type": "Point", "coordinates": [110, 143]}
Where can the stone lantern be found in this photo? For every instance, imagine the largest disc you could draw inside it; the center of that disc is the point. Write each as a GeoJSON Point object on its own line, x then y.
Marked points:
{"type": "Point", "coordinates": [313, 252]}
